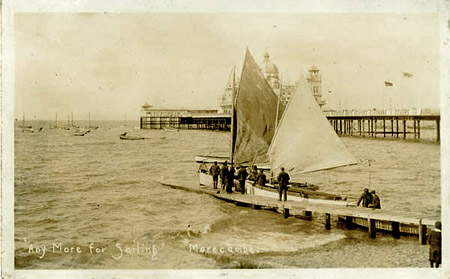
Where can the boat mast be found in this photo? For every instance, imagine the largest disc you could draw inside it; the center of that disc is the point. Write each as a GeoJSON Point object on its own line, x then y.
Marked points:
{"type": "Point", "coordinates": [56, 120]}
{"type": "Point", "coordinates": [278, 104]}
{"type": "Point", "coordinates": [72, 117]}
{"type": "Point", "coordinates": [23, 121]}
{"type": "Point", "coordinates": [89, 119]}
{"type": "Point", "coordinates": [232, 115]}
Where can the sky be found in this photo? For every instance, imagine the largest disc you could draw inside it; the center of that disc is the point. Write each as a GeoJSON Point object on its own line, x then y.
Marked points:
{"type": "Point", "coordinates": [109, 64]}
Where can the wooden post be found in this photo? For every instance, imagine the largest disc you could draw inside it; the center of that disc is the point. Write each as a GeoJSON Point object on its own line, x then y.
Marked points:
{"type": "Point", "coordinates": [362, 127]}
{"type": "Point", "coordinates": [255, 206]}
{"type": "Point", "coordinates": [359, 126]}
{"type": "Point", "coordinates": [422, 233]}
{"type": "Point", "coordinates": [418, 129]}
{"type": "Point", "coordinates": [285, 213]}
{"type": "Point", "coordinates": [308, 213]}
{"type": "Point", "coordinates": [375, 129]}
{"type": "Point", "coordinates": [415, 135]}
{"type": "Point", "coordinates": [396, 230]}
{"type": "Point", "coordinates": [396, 120]}
{"type": "Point", "coordinates": [327, 221]}
{"type": "Point", "coordinates": [340, 126]}
{"type": "Point", "coordinates": [392, 127]}
{"type": "Point", "coordinates": [384, 127]}
{"type": "Point", "coordinates": [349, 222]}
{"type": "Point", "coordinates": [438, 130]}
{"type": "Point", "coordinates": [371, 227]}
{"type": "Point", "coordinates": [404, 129]}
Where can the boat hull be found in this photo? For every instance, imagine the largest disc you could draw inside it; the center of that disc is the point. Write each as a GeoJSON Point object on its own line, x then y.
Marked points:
{"type": "Point", "coordinates": [131, 138]}
{"type": "Point", "coordinates": [205, 179]}
{"type": "Point", "coordinates": [270, 191]}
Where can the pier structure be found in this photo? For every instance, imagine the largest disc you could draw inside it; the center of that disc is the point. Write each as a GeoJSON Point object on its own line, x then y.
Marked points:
{"type": "Point", "coordinates": [381, 126]}
{"type": "Point", "coordinates": [331, 215]}
{"type": "Point", "coordinates": [398, 126]}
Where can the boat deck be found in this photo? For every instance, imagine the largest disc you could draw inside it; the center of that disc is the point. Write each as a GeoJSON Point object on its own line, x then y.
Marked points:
{"type": "Point", "coordinates": [373, 219]}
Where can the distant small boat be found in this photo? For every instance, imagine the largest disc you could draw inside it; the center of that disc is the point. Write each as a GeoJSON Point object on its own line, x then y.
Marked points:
{"type": "Point", "coordinates": [171, 129]}
{"type": "Point", "coordinates": [26, 126]}
{"type": "Point", "coordinates": [81, 134]}
{"type": "Point", "coordinates": [124, 136]}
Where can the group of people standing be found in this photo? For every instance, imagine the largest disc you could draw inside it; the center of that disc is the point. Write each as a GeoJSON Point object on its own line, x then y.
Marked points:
{"type": "Point", "coordinates": [369, 199]}
{"type": "Point", "coordinates": [228, 175]}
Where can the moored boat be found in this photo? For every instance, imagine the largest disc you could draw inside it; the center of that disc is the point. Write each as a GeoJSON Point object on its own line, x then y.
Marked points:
{"type": "Point", "coordinates": [257, 141]}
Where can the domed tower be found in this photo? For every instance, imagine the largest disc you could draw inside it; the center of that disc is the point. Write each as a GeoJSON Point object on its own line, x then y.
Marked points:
{"type": "Point", "coordinates": [315, 82]}
{"type": "Point", "coordinates": [271, 73]}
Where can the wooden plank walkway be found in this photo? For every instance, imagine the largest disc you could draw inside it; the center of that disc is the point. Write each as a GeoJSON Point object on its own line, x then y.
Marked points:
{"type": "Point", "coordinates": [373, 219]}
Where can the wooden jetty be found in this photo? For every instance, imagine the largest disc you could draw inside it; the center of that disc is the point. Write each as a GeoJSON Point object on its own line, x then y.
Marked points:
{"type": "Point", "coordinates": [350, 216]}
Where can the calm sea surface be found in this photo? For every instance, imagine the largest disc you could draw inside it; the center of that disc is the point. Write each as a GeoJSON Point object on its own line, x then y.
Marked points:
{"type": "Point", "coordinates": [94, 202]}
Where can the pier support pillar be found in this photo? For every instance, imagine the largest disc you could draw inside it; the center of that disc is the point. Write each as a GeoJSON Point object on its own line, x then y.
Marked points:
{"type": "Point", "coordinates": [404, 129]}
{"type": "Point", "coordinates": [396, 120]}
{"type": "Point", "coordinates": [349, 222]}
{"type": "Point", "coordinates": [384, 127]}
{"type": "Point", "coordinates": [371, 227]}
{"type": "Point", "coordinates": [422, 233]}
{"type": "Point", "coordinates": [327, 221]}
{"type": "Point", "coordinates": [418, 129]}
{"type": "Point", "coordinates": [396, 230]}
{"type": "Point", "coordinates": [438, 130]}
{"type": "Point", "coordinates": [415, 129]}
{"type": "Point", "coordinates": [285, 213]}
{"type": "Point", "coordinates": [392, 127]}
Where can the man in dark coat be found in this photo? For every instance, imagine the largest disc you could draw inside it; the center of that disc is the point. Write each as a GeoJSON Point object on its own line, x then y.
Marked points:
{"type": "Point", "coordinates": [434, 239]}
{"type": "Point", "coordinates": [261, 178]}
{"type": "Point", "coordinates": [375, 200]}
{"type": "Point", "coordinates": [215, 171]}
{"type": "Point", "coordinates": [283, 181]}
{"type": "Point", "coordinates": [242, 176]}
{"type": "Point", "coordinates": [224, 175]}
{"type": "Point", "coordinates": [230, 180]}
{"type": "Point", "coordinates": [365, 199]}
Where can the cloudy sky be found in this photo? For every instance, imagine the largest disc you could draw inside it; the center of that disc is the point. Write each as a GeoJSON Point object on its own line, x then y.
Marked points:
{"type": "Point", "coordinates": [109, 64]}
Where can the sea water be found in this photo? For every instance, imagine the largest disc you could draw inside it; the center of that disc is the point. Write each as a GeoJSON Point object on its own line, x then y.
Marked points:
{"type": "Point", "coordinates": [94, 202]}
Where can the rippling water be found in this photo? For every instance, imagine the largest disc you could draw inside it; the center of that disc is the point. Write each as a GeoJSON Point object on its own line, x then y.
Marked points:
{"type": "Point", "coordinates": [100, 192]}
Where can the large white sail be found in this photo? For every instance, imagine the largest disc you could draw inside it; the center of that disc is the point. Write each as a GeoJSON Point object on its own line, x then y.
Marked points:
{"type": "Point", "coordinates": [304, 140]}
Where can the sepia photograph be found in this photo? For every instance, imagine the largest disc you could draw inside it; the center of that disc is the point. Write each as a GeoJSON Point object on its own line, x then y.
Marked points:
{"type": "Point", "coordinates": [186, 138]}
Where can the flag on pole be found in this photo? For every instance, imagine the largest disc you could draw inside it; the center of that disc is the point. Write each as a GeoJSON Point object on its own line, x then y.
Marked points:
{"type": "Point", "coordinates": [387, 83]}
{"type": "Point", "coordinates": [407, 75]}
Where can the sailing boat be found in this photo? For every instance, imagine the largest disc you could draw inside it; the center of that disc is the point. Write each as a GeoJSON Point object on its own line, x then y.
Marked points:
{"type": "Point", "coordinates": [56, 122]}
{"type": "Point", "coordinates": [255, 142]}
{"type": "Point", "coordinates": [23, 126]}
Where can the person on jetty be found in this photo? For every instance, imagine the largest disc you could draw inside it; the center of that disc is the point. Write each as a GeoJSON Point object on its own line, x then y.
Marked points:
{"type": "Point", "coordinates": [215, 171]}
{"type": "Point", "coordinates": [434, 240]}
{"type": "Point", "coordinates": [230, 180]}
{"type": "Point", "coordinates": [224, 175]}
{"type": "Point", "coordinates": [375, 204]}
{"type": "Point", "coordinates": [283, 181]}
{"type": "Point", "coordinates": [242, 176]}
{"type": "Point", "coordinates": [261, 178]}
{"type": "Point", "coordinates": [365, 199]}
{"type": "Point", "coordinates": [253, 174]}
